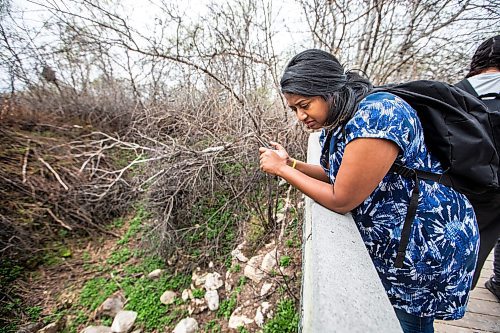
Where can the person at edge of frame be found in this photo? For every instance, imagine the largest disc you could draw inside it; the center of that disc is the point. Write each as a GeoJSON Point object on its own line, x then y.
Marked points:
{"type": "Point", "coordinates": [482, 80]}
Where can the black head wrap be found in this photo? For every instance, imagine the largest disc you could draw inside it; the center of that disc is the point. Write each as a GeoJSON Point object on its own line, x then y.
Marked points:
{"type": "Point", "coordinates": [318, 73]}
{"type": "Point", "coordinates": [487, 56]}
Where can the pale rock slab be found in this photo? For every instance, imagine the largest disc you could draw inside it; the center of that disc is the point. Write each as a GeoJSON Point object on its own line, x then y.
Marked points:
{"type": "Point", "coordinates": [97, 329]}
{"type": "Point", "coordinates": [252, 269]}
{"type": "Point", "coordinates": [155, 274]}
{"type": "Point", "coordinates": [213, 281]}
{"type": "Point", "coordinates": [237, 321]}
{"type": "Point", "coordinates": [266, 287]}
{"type": "Point", "coordinates": [259, 318]}
{"type": "Point", "coordinates": [123, 322]}
{"type": "Point", "coordinates": [185, 295]}
{"type": "Point", "coordinates": [269, 261]}
{"type": "Point", "coordinates": [212, 299]}
{"type": "Point", "coordinates": [237, 254]}
{"type": "Point", "coordinates": [186, 325]}
{"type": "Point", "coordinates": [168, 297]}
{"type": "Point", "coordinates": [111, 306]}
{"type": "Point", "coordinates": [198, 279]}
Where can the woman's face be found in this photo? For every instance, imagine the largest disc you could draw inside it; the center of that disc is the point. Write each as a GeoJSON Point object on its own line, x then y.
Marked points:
{"type": "Point", "coordinates": [312, 111]}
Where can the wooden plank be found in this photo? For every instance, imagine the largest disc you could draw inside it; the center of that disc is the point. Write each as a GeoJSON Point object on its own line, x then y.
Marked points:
{"type": "Point", "coordinates": [484, 307]}
{"type": "Point", "coordinates": [481, 293]}
{"type": "Point", "coordinates": [479, 321]}
{"type": "Point", "coordinates": [487, 271]}
{"type": "Point", "coordinates": [447, 327]}
{"type": "Point", "coordinates": [482, 280]}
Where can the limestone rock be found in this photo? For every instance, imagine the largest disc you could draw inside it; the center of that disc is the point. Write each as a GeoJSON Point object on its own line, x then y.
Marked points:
{"type": "Point", "coordinates": [186, 325]}
{"type": "Point", "coordinates": [111, 306]}
{"type": "Point", "coordinates": [213, 281]}
{"type": "Point", "coordinates": [155, 274]}
{"type": "Point", "coordinates": [266, 287]}
{"type": "Point", "coordinates": [123, 321]}
{"type": "Point", "coordinates": [197, 306]}
{"type": "Point", "coordinates": [259, 318]}
{"type": "Point", "coordinates": [168, 297]}
{"type": "Point", "coordinates": [269, 261]}
{"type": "Point", "coordinates": [237, 254]}
{"type": "Point", "coordinates": [212, 298]}
{"type": "Point", "coordinates": [185, 295]}
{"type": "Point", "coordinates": [54, 327]}
{"type": "Point", "coordinates": [266, 309]}
{"type": "Point", "coordinates": [252, 269]}
{"type": "Point", "coordinates": [50, 328]}
{"type": "Point", "coordinates": [97, 329]}
{"type": "Point", "coordinates": [237, 321]}
{"type": "Point", "coordinates": [198, 279]}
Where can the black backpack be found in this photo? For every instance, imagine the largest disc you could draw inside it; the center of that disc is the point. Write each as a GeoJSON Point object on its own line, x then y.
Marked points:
{"type": "Point", "coordinates": [458, 130]}
{"type": "Point", "coordinates": [492, 102]}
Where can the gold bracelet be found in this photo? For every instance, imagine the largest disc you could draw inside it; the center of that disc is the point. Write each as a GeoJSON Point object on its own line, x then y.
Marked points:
{"type": "Point", "coordinates": [294, 163]}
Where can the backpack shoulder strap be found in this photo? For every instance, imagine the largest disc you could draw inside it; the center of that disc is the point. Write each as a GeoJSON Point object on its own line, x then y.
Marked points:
{"type": "Point", "coordinates": [490, 96]}
{"type": "Point", "coordinates": [412, 208]}
{"type": "Point", "coordinates": [466, 86]}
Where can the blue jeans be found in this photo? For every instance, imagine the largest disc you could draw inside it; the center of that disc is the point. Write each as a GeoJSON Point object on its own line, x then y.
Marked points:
{"type": "Point", "coordinates": [414, 324]}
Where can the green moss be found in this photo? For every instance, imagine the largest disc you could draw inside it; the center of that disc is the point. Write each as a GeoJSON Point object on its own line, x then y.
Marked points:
{"type": "Point", "coordinates": [286, 319]}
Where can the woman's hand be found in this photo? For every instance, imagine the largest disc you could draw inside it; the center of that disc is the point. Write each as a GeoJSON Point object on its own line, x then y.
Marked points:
{"type": "Point", "coordinates": [273, 160]}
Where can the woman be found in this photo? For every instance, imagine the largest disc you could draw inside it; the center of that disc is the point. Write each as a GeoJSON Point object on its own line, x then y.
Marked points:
{"type": "Point", "coordinates": [362, 136]}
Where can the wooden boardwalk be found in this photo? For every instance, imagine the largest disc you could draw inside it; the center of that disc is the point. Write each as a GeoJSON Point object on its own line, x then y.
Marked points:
{"type": "Point", "coordinates": [483, 311]}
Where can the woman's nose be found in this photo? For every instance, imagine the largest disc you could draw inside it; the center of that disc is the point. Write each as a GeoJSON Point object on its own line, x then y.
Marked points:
{"type": "Point", "coordinates": [301, 115]}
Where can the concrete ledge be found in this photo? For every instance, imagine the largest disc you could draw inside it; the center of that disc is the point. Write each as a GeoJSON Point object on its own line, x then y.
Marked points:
{"type": "Point", "coordinates": [341, 290]}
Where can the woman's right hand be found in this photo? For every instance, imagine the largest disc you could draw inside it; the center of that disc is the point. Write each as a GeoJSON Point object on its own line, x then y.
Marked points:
{"type": "Point", "coordinates": [273, 160]}
{"type": "Point", "coordinates": [280, 151]}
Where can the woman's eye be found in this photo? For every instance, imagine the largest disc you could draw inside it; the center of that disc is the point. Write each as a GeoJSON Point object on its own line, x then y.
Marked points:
{"type": "Point", "coordinates": [305, 107]}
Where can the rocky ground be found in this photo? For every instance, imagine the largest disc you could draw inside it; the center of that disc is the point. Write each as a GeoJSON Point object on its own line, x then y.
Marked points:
{"type": "Point", "coordinates": [110, 285]}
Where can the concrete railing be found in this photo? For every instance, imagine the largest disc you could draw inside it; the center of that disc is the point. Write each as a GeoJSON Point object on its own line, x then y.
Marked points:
{"type": "Point", "coordinates": [341, 291]}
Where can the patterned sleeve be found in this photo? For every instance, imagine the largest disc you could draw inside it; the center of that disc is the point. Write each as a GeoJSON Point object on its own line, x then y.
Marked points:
{"type": "Point", "coordinates": [385, 116]}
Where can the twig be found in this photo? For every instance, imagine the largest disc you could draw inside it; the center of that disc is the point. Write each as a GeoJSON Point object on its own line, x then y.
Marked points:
{"type": "Point", "coordinates": [55, 173]}
{"type": "Point", "coordinates": [25, 161]}
{"type": "Point", "coordinates": [61, 222]}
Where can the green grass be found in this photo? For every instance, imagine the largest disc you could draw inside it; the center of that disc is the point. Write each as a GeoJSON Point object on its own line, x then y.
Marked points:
{"type": "Point", "coordinates": [217, 223]}
{"type": "Point", "coordinates": [95, 291]}
{"type": "Point", "coordinates": [286, 319]}
{"type": "Point", "coordinates": [119, 256]}
{"type": "Point", "coordinates": [135, 225]}
{"type": "Point", "coordinates": [34, 312]}
{"type": "Point", "coordinates": [9, 271]}
{"type": "Point", "coordinates": [198, 293]}
{"type": "Point", "coordinates": [235, 268]}
{"type": "Point", "coordinates": [227, 306]}
{"type": "Point", "coordinates": [212, 327]}
{"type": "Point", "coordinates": [143, 296]}
{"type": "Point", "coordinates": [285, 261]}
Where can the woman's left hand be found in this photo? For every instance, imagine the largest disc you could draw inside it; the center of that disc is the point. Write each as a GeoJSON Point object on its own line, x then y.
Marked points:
{"type": "Point", "coordinates": [273, 160]}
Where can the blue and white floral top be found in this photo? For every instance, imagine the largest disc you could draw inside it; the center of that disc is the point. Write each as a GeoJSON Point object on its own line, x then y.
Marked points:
{"type": "Point", "coordinates": [442, 251]}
